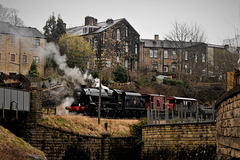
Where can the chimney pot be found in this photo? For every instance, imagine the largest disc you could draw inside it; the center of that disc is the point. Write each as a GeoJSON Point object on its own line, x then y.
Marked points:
{"type": "Point", "coordinates": [156, 37]}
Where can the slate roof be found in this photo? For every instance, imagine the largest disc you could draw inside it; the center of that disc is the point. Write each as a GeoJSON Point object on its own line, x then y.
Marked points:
{"type": "Point", "coordinates": [7, 28]}
{"type": "Point", "coordinates": [101, 26]}
{"type": "Point", "coordinates": [151, 43]}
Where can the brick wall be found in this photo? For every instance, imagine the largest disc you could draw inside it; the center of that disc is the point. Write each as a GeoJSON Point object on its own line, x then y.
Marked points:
{"type": "Point", "coordinates": [228, 125]}
{"type": "Point", "coordinates": [179, 141]}
{"type": "Point", "coordinates": [60, 144]}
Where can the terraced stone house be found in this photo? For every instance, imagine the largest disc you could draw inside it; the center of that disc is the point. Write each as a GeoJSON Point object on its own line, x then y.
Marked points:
{"type": "Point", "coordinates": [115, 41]}
{"type": "Point", "coordinates": [19, 46]}
{"type": "Point", "coordinates": [187, 60]}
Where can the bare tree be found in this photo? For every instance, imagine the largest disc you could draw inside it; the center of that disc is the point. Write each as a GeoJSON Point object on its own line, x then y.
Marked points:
{"type": "Point", "coordinates": [183, 35]}
{"type": "Point", "coordinates": [10, 15]}
{"type": "Point", "coordinates": [183, 32]}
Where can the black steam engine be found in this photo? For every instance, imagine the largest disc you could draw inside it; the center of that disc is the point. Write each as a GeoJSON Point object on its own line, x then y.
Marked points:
{"type": "Point", "coordinates": [114, 103]}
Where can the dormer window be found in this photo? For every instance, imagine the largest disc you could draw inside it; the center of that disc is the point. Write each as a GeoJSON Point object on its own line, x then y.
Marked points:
{"type": "Point", "coordinates": [126, 31]}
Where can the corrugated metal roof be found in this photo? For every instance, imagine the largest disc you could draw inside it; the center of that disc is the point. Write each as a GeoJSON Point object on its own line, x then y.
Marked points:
{"type": "Point", "coordinates": [7, 28]}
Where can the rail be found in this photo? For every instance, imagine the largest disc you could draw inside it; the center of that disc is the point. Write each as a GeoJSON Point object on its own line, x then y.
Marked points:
{"type": "Point", "coordinates": [181, 114]}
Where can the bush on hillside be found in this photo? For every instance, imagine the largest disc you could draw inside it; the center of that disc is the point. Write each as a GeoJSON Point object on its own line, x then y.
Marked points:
{"type": "Point", "coordinates": [120, 74]}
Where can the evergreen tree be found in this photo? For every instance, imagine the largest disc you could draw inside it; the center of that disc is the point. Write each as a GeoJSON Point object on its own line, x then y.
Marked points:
{"type": "Point", "coordinates": [60, 28]}
{"type": "Point", "coordinates": [54, 29]}
{"type": "Point", "coordinates": [120, 74]}
{"type": "Point", "coordinates": [32, 72]}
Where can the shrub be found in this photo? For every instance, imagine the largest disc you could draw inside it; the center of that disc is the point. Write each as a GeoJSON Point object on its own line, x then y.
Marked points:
{"type": "Point", "coordinates": [120, 74]}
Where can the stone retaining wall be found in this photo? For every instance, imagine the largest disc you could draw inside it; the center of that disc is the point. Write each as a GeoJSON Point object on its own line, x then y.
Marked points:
{"type": "Point", "coordinates": [179, 141]}
{"type": "Point", "coordinates": [60, 144]}
{"type": "Point", "coordinates": [228, 125]}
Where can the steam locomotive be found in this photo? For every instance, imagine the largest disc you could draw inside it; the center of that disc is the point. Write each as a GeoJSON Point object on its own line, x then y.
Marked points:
{"type": "Point", "coordinates": [114, 103]}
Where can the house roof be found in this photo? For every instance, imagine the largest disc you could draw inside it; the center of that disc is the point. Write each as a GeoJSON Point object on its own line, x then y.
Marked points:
{"type": "Point", "coordinates": [99, 27]}
{"type": "Point", "coordinates": [151, 43]}
{"type": "Point", "coordinates": [7, 28]}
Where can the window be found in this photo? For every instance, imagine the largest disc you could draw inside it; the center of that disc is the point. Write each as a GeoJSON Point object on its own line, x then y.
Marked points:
{"type": "Point", "coordinates": [126, 31]}
{"type": "Point", "coordinates": [24, 58]}
{"type": "Point", "coordinates": [0, 38]}
{"type": "Point", "coordinates": [174, 54]}
{"type": "Point", "coordinates": [12, 57]}
{"type": "Point", "coordinates": [186, 68]}
{"type": "Point", "coordinates": [151, 53]}
{"type": "Point", "coordinates": [36, 42]}
{"type": "Point", "coordinates": [108, 64]}
{"type": "Point", "coordinates": [12, 39]}
{"type": "Point", "coordinates": [126, 64]}
{"type": "Point", "coordinates": [118, 34]}
{"type": "Point", "coordinates": [95, 44]}
{"type": "Point", "coordinates": [126, 46]}
{"type": "Point", "coordinates": [165, 68]}
{"type": "Point", "coordinates": [174, 66]}
{"type": "Point", "coordinates": [117, 59]}
{"type": "Point", "coordinates": [154, 67]}
{"type": "Point", "coordinates": [165, 54]}
{"type": "Point", "coordinates": [36, 59]}
{"type": "Point", "coordinates": [186, 55]}
{"type": "Point", "coordinates": [203, 57]}
{"type": "Point", "coordinates": [136, 49]}
{"type": "Point", "coordinates": [155, 54]}
{"type": "Point", "coordinates": [195, 58]}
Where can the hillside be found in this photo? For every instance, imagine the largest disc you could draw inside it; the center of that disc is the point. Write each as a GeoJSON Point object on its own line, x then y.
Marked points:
{"type": "Point", "coordinates": [14, 148]}
{"type": "Point", "coordinates": [88, 125]}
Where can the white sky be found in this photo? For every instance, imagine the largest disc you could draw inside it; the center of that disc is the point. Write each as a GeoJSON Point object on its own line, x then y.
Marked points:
{"type": "Point", "coordinates": [220, 19]}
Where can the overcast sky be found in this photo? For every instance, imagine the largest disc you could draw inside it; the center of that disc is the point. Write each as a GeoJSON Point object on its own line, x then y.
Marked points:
{"type": "Point", "coordinates": [220, 19]}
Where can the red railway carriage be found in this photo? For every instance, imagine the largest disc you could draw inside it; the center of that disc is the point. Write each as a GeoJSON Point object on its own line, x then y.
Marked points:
{"type": "Point", "coordinates": [154, 101]}
{"type": "Point", "coordinates": [173, 102]}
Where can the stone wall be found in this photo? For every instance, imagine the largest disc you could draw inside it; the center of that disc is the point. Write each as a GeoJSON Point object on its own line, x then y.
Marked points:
{"type": "Point", "coordinates": [228, 125]}
{"type": "Point", "coordinates": [179, 141]}
{"type": "Point", "coordinates": [60, 144]}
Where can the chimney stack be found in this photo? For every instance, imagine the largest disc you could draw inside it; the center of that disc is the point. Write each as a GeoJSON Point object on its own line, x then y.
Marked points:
{"type": "Point", "coordinates": [90, 21]}
{"type": "Point", "coordinates": [156, 37]}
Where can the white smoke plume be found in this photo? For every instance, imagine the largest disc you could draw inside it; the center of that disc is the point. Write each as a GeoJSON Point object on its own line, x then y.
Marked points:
{"type": "Point", "coordinates": [52, 50]}
{"type": "Point", "coordinates": [66, 102]}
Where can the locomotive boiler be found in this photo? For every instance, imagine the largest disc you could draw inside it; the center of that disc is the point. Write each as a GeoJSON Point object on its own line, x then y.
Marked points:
{"type": "Point", "coordinates": [114, 103]}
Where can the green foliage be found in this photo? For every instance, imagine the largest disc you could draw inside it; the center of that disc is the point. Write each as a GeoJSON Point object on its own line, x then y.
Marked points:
{"type": "Point", "coordinates": [95, 74]}
{"type": "Point", "coordinates": [32, 72]}
{"type": "Point", "coordinates": [77, 50]}
{"type": "Point", "coordinates": [154, 78]}
{"type": "Point", "coordinates": [50, 63]}
{"type": "Point", "coordinates": [173, 82]}
{"type": "Point", "coordinates": [54, 29]}
{"type": "Point", "coordinates": [136, 130]}
{"type": "Point", "coordinates": [120, 74]}
{"type": "Point", "coordinates": [174, 120]}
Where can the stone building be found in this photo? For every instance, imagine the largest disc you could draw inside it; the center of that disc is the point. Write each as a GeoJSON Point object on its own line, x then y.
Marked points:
{"type": "Point", "coordinates": [116, 41]}
{"type": "Point", "coordinates": [186, 60]}
{"type": "Point", "coordinates": [19, 46]}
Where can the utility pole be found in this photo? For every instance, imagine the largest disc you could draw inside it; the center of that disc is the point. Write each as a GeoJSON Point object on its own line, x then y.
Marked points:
{"type": "Point", "coordinates": [100, 36]}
